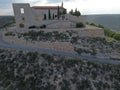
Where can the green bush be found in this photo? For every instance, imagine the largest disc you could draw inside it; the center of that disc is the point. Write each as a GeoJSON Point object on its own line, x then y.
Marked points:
{"type": "Point", "coordinates": [116, 36]}
{"type": "Point", "coordinates": [109, 33]}
{"type": "Point", "coordinates": [93, 24]}
{"type": "Point", "coordinates": [101, 26]}
{"type": "Point", "coordinates": [112, 34]}
{"type": "Point", "coordinates": [43, 26]}
{"type": "Point", "coordinates": [74, 39]}
{"type": "Point", "coordinates": [79, 25]}
{"type": "Point", "coordinates": [9, 34]}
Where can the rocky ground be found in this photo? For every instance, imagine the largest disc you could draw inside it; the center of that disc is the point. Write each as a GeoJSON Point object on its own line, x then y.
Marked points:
{"type": "Point", "coordinates": [96, 45]}
{"type": "Point", "coordinates": [22, 70]}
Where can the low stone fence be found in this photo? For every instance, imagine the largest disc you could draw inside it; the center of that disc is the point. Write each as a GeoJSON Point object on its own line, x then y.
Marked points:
{"type": "Point", "coordinates": [88, 31]}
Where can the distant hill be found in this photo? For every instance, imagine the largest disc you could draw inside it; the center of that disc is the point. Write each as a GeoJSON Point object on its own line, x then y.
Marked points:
{"type": "Point", "coordinates": [6, 20]}
{"type": "Point", "coordinates": [109, 21]}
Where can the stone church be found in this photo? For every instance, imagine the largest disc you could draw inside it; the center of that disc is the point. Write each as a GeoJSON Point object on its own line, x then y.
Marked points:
{"type": "Point", "coordinates": [47, 16]}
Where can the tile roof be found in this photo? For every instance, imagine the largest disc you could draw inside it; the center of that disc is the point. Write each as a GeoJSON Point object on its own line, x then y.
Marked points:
{"type": "Point", "coordinates": [47, 7]}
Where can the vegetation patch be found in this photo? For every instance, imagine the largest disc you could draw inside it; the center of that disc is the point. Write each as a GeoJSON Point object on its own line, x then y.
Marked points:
{"type": "Point", "coordinates": [75, 12]}
{"type": "Point", "coordinates": [80, 25]}
{"type": "Point", "coordinates": [93, 46]}
{"type": "Point", "coordinates": [41, 35]}
{"type": "Point", "coordinates": [9, 34]}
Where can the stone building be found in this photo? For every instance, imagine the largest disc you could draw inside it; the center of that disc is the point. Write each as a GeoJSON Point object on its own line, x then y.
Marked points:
{"type": "Point", "coordinates": [43, 16]}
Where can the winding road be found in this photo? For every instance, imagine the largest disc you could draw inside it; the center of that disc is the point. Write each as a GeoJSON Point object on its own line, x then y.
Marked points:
{"type": "Point", "coordinates": [4, 44]}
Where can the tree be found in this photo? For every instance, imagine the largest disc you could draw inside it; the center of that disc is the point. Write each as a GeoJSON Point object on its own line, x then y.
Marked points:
{"type": "Point", "coordinates": [64, 11]}
{"type": "Point", "coordinates": [75, 13]}
{"type": "Point", "coordinates": [53, 17]}
{"type": "Point", "coordinates": [58, 13]}
{"type": "Point", "coordinates": [49, 14]}
{"type": "Point", "coordinates": [71, 12]}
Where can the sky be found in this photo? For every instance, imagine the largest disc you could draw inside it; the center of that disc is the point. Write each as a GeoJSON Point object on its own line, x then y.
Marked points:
{"type": "Point", "coordinates": [86, 7]}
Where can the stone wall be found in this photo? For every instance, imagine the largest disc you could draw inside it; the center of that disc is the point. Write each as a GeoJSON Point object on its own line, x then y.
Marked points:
{"type": "Point", "coordinates": [61, 24]}
{"type": "Point", "coordinates": [26, 18]}
{"type": "Point", "coordinates": [91, 33]}
{"type": "Point", "coordinates": [88, 31]}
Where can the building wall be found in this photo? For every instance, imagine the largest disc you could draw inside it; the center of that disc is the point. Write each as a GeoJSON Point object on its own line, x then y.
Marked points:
{"type": "Point", "coordinates": [25, 18]}
{"type": "Point", "coordinates": [61, 24]}
{"type": "Point", "coordinates": [46, 11]}
{"type": "Point", "coordinates": [31, 16]}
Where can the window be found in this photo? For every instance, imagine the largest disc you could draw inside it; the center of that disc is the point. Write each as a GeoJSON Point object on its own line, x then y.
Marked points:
{"type": "Point", "coordinates": [22, 10]}
{"type": "Point", "coordinates": [21, 25]}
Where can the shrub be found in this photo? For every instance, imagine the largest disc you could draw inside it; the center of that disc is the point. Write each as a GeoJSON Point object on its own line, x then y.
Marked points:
{"type": "Point", "coordinates": [112, 34]}
{"type": "Point", "coordinates": [109, 33]}
{"type": "Point", "coordinates": [31, 27]}
{"type": "Point", "coordinates": [101, 26]}
{"type": "Point", "coordinates": [116, 36]}
{"type": "Point", "coordinates": [93, 24]}
{"type": "Point", "coordinates": [74, 39]}
{"type": "Point", "coordinates": [72, 62]}
{"type": "Point", "coordinates": [9, 34]}
{"type": "Point", "coordinates": [32, 33]}
{"type": "Point", "coordinates": [43, 26]}
{"type": "Point", "coordinates": [47, 57]}
{"type": "Point", "coordinates": [79, 25]}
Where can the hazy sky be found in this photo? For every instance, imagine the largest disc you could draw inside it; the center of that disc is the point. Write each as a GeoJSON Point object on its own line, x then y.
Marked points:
{"type": "Point", "coordinates": [85, 6]}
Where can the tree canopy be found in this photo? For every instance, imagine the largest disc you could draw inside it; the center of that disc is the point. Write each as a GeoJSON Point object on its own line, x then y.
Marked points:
{"type": "Point", "coordinates": [75, 12]}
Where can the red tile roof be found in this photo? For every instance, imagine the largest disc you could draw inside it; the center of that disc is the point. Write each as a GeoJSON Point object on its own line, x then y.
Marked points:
{"type": "Point", "coordinates": [47, 7]}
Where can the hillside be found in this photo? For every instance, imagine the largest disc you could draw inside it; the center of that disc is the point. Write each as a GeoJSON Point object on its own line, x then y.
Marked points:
{"type": "Point", "coordinates": [110, 21]}
{"type": "Point", "coordinates": [6, 20]}
{"type": "Point", "coordinates": [25, 70]}
{"type": "Point", "coordinates": [34, 71]}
